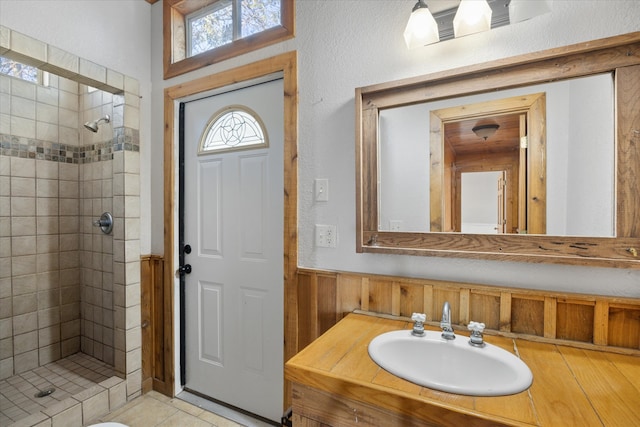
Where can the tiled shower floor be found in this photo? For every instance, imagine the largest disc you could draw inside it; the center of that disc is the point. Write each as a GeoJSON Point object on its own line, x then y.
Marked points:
{"type": "Point", "coordinates": [85, 388]}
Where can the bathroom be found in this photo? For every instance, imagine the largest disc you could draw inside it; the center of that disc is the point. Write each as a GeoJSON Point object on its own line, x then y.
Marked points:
{"type": "Point", "coordinates": [127, 39]}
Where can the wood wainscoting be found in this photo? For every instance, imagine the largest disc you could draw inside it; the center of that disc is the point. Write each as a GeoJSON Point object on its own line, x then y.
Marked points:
{"type": "Point", "coordinates": [157, 327]}
{"type": "Point", "coordinates": [324, 297]}
{"type": "Point", "coordinates": [587, 321]}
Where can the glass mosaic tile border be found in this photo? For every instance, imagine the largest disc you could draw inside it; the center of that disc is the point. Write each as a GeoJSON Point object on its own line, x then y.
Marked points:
{"type": "Point", "coordinates": [125, 139]}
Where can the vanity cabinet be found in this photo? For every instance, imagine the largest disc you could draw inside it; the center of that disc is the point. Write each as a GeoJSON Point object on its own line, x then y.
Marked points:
{"type": "Point", "coordinates": [335, 383]}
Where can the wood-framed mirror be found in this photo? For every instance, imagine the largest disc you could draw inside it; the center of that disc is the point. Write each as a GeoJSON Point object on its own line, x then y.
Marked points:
{"type": "Point", "coordinates": [528, 229]}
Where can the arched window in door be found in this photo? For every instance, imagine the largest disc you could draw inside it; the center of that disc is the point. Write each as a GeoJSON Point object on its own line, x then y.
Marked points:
{"type": "Point", "coordinates": [233, 128]}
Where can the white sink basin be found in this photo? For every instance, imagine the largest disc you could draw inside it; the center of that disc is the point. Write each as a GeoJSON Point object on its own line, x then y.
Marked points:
{"type": "Point", "coordinates": [453, 366]}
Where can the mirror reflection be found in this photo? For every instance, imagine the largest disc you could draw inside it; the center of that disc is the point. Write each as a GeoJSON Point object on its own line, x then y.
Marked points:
{"type": "Point", "coordinates": [550, 165]}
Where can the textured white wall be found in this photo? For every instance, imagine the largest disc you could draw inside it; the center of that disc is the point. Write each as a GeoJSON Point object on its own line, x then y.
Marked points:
{"type": "Point", "coordinates": [341, 45]}
{"type": "Point", "coordinates": [113, 33]}
{"type": "Point", "coordinates": [347, 44]}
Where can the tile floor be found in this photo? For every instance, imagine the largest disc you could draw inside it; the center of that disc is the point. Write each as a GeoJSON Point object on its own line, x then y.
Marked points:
{"type": "Point", "coordinates": [83, 388]}
{"type": "Point", "coordinates": [154, 409]}
{"type": "Point", "coordinates": [87, 392]}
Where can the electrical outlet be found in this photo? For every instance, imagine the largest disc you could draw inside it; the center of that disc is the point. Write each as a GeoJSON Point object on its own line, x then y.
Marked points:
{"type": "Point", "coordinates": [321, 190]}
{"type": "Point", "coordinates": [326, 236]}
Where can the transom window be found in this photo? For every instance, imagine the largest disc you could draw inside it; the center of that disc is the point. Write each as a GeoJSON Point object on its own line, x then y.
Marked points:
{"type": "Point", "coordinates": [227, 20]}
{"type": "Point", "coordinates": [203, 32]}
{"type": "Point", "coordinates": [13, 68]}
{"type": "Point", "coordinates": [232, 128]}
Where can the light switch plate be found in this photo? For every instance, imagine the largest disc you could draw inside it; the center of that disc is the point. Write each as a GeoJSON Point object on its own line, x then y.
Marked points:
{"type": "Point", "coordinates": [321, 190]}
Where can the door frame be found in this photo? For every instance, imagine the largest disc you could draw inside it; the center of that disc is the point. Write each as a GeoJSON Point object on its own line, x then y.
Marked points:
{"type": "Point", "coordinates": [285, 63]}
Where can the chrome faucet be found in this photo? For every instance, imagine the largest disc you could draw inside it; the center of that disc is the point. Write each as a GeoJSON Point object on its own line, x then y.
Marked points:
{"type": "Point", "coordinates": [445, 322]}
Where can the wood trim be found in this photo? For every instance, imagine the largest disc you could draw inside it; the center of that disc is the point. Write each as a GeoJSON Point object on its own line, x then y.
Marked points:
{"type": "Point", "coordinates": [544, 316]}
{"type": "Point", "coordinates": [154, 310]}
{"type": "Point", "coordinates": [287, 64]}
{"type": "Point", "coordinates": [617, 54]}
{"type": "Point", "coordinates": [174, 12]}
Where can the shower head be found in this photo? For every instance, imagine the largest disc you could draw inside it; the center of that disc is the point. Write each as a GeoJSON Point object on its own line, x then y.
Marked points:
{"type": "Point", "coordinates": [93, 126]}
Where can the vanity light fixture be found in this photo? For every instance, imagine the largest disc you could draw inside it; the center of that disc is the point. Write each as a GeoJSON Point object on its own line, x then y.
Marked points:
{"type": "Point", "coordinates": [485, 131]}
{"type": "Point", "coordinates": [422, 28]}
{"type": "Point", "coordinates": [473, 16]}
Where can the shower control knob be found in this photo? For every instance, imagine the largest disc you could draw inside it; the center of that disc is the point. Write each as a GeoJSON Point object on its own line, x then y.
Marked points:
{"type": "Point", "coordinates": [186, 269]}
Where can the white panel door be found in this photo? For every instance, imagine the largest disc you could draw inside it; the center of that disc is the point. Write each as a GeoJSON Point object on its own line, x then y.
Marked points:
{"type": "Point", "coordinates": [234, 222]}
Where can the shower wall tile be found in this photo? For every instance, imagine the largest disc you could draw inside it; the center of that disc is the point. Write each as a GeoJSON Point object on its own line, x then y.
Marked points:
{"type": "Point", "coordinates": [47, 225]}
{"type": "Point", "coordinates": [25, 245]}
{"type": "Point", "coordinates": [68, 100]}
{"type": "Point", "coordinates": [115, 79]}
{"type": "Point", "coordinates": [47, 132]}
{"type": "Point", "coordinates": [47, 170]}
{"type": "Point", "coordinates": [68, 172]}
{"type": "Point", "coordinates": [25, 303]}
{"type": "Point", "coordinates": [47, 95]}
{"type": "Point", "coordinates": [69, 242]}
{"type": "Point", "coordinates": [131, 117]}
{"type": "Point", "coordinates": [6, 348]}
{"type": "Point", "coordinates": [23, 167]}
{"type": "Point", "coordinates": [25, 342]}
{"type": "Point", "coordinates": [68, 118]}
{"type": "Point", "coordinates": [69, 207]}
{"type": "Point", "coordinates": [5, 247]}
{"type": "Point", "coordinates": [48, 299]}
{"type": "Point", "coordinates": [47, 187]}
{"type": "Point", "coordinates": [5, 287]}
{"type": "Point", "coordinates": [25, 323]}
{"type": "Point", "coordinates": [21, 265]}
{"type": "Point", "coordinates": [24, 284]}
{"type": "Point", "coordinates": [23, 89]}
{"type": "Point", "coordinates": [70, 86]}
{"type": "Point", "coordinates": [26, 361]}
{"type": "Point", "coordinates": [6, 308]}
{"type": "Point", "coordinates": [47, 206]}
{"type": "Point", "coordinates": [22, 127]}
{"type": "Point", "coordinates": [47, 243]}
{"type": "Point", "coordinates": [48, 317]}
{"type": "Point", "coordinates": [22, 107]}
{"type": "Point", "coordinates": [5, 206]}
{"type": "Point", "coordinates": [6, 328]}
{"type": "Point", "coordinates": [68, 136]}
{"type": "Point", "coordinates": [47, 262]}
{"type": "Point", "coordinates": [48, 354]}
{"type": "Point", "coordinates": [62, 60]}
{"type": "Point", "coordinates": [49, 280]}
{"type": "Point", "coordinates": [29, 47]}
{"type": "Point", "coordinates": [93, 71]}
{"type": "Point", "coordinates": [23, 206]}
{"type": "Point", "coordinates": [23, 187]}
{"type": "Point", "coordinates": [47, 113]}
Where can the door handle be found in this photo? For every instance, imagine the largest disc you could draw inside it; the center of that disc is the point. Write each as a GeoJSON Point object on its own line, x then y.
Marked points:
{"type": "Point", "coordinates": [184, 269]}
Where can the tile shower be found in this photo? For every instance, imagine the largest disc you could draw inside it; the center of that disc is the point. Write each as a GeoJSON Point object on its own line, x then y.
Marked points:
{"type": "Point", "coordinates": [69, 294]}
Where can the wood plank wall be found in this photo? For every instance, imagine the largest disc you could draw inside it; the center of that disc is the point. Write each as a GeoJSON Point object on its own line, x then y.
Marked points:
{"type": "Point", "coordinates": [590, 321]}
{"type": "Point", "coordinates": [324, 297]}
{"type": "Point", "coordinates": [155, 313]}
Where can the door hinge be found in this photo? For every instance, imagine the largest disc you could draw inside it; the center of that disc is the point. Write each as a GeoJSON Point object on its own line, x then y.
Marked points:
{"type": "Point", "coordinates": [524, 142]}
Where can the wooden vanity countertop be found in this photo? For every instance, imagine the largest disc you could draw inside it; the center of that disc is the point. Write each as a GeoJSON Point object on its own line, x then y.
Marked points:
{"type": "Point", "coordinates": [571, 386]}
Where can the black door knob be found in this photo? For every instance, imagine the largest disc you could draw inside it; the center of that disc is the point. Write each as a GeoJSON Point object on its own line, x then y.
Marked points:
{"type": "Point", "coordinates": [186, 269]}
{"type": "Point", "coordinates": [187, 249]}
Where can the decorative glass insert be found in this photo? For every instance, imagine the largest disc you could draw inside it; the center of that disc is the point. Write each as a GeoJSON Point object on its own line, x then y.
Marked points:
{"type": "Point", "coordinates": [227, 20]}
{"type": "Point", "coordinates": [233, 127]}
{"type": "Point", "coordinates": [19, 70]}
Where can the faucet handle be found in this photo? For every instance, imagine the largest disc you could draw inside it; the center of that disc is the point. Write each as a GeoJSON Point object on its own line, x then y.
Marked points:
{"type": "Point", "coordinates": [418, 324]}
{"type": "Point", "coordinates": [419, 317]}
{"type": "Point", "coordinates": [476, 329]}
